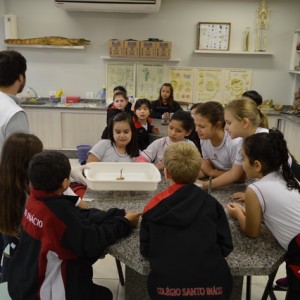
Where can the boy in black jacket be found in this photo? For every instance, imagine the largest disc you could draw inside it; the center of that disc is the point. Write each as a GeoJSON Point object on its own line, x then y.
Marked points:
{"type": "Point", "coordinates": [185, 234]}
{"type": "Point", "coordinates": [59, 242]}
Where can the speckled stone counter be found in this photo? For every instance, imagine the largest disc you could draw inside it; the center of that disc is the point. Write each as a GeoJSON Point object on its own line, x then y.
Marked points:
{"type": "Point", "coordinates": [259, 256]}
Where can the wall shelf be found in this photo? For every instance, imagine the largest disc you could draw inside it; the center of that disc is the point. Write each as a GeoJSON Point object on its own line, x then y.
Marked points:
{"type": "Point", "coordinates": [232, 52]}
{"type": "Point", "coordinates": [44, 46]}
{"type": "Point", "coordinates": [156, 59]}
{"type": "Point", "coordinates": [294, 72]}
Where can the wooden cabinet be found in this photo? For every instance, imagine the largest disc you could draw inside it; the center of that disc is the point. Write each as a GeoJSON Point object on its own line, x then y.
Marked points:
{"type": "Point", "coordinates": [66, 128]}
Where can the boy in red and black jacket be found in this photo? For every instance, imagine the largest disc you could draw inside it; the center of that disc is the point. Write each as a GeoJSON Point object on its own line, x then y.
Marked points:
{"type": "Point", "coordinates": [185, 234]}
{"type": "Point", "coordinates": [60, 242]}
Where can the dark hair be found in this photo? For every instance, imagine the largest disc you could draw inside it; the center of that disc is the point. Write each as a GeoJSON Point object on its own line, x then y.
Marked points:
{"type": "Point", "coordinates": [171, 97]}
{"type": "Point", "coordinates": [12, 65]}
{"type": "Point", "coordinates": [132, 149]}
{"type": "Point", "coordinates": [120, 88]}
{"type": "Point", "coordinates": [116, 94]}
{"type": "Point", "coordinates": [186, 119]}
{"type": "Point", "coordinates": [47, 170]}
{"type": "Point", "coordinates": [271, 150]}
{"type": "Point", "coordinates": [255, 96]}
{"type": "Point", "coordinates": [213, 111]}
{"type": "Point", "coordinates": [195, 105]}
{"type": "Point", "coordinates": [17, 151]}
{"type": "Point", "coordinates": [138, 103]}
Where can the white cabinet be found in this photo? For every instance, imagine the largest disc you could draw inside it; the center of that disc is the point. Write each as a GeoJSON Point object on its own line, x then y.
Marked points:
{"type": "Point", "coordinates": [81, 127]}
{"type": "Point", "coordinates": [46, 124]}
{"type": "Point", "coordinates": [66, 128]}
{"type": "Point", "coordinates": [290, 131]}
{"type": "Point", "coordinates": [295, 63]}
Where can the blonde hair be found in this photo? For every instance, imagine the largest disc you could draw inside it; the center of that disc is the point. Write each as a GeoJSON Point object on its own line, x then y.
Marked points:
{"type": "Point", "coordinates": [183, 161]}
{"type": "Point", "coordinates": [247, 108]}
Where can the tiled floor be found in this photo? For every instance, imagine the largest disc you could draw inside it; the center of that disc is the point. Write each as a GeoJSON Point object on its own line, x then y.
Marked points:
{"type": "Point", "coordinates": [105, 273]}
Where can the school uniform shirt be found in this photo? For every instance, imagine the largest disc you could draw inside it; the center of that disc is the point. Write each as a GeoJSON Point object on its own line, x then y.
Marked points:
{"type": "Point", "coordinates": [280, 207]}
{"type": "Point", "coordinates": [58, 245]}
{"type": "Point", "coordinates": [223, 156]}
{"type": "Point", "coordinates": [239, 157]}
{"type": "Point", "coordinates": [185, 235]}
{"type": "Point", "coordinates": [154, 153]}
{"type": "Point", "coordinates": [105, 151]}
{"type": "Point", "coordinates": [158, 108]}
{"type": "Point", "coordinates": [143, 132]}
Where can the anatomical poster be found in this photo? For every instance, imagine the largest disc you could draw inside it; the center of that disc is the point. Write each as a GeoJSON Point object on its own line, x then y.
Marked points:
{"type": "Point", "coordinates": [209, 85]}
{"type": "Point", "coordinates": [150, 77]}
{"type": "Point", "coordinates": [181, 79]}
{"type": "Point", "coordinates": [120, 73]}
{"type": "Point", "coordinates": [236, 81]}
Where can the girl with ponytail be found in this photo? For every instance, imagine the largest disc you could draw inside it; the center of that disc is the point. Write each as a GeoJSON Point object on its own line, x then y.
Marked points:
{"type": "Point", "coordinates": [273, 199]}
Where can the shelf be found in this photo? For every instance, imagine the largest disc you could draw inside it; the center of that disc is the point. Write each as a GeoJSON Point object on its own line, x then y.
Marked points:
{"type": "Point", "coordinates": [44, 46]}
{"type": "Point", "coordinates": [156, 59]}
{"type": "Point", "coordinates": [232, 52]}
{"type": "Point", "coordinates": [294, 72]}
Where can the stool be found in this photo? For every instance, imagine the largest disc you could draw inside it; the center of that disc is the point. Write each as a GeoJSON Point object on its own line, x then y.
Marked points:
{"type": "Point", "coordinates": [120, 272]}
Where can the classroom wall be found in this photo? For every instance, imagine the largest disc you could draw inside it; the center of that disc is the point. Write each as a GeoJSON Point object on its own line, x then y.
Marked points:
{"type": "Point", "coordinates": [78, 71]}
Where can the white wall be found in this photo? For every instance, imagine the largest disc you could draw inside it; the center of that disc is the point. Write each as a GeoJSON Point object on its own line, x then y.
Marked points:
{"type": "Point", "coordinates": [78, 71]}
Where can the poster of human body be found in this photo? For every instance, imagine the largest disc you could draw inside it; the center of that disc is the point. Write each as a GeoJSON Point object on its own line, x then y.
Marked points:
{"type": "Point", "coordinates": [120, 73]}
{"type": "Point", "coordinates": [150, 77]}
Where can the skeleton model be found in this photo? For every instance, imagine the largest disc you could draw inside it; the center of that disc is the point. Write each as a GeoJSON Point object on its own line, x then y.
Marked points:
{"type": "Point", "coordinates": [262, 21]}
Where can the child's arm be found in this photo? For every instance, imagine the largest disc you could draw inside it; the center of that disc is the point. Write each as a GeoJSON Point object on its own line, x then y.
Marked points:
{"type": "Point", "coordinates": [233, 175]}
{"type": "Point", "coordinates": [208, 169]}
{"type": "Point", "coordinates": [250, 217]}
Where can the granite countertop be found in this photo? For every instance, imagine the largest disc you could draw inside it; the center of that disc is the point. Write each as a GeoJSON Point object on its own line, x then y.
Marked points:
{"type": "Point", "coordinates": [259, 256]}
{"type": "Point", "coordinates": [86, 104]}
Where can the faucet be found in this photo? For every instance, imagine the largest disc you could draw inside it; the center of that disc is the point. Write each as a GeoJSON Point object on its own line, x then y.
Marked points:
{"type": "Point", "coordinates": [35, 94]}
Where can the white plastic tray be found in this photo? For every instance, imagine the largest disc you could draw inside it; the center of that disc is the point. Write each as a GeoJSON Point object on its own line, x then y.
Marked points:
{"type": "Point", "coordinates": [137, 176]}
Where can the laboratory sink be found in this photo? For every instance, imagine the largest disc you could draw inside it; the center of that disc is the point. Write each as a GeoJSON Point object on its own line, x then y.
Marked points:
{"type": "Point", "coordinates": [34, 101]}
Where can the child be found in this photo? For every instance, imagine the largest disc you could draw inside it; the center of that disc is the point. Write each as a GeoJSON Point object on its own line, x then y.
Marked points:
{"type": "Point", "coordinates": [218, 149]}
{"type": "Point", "coordinates": [165, 104]}
{"type": "Point", "coordinates": [142, 122]}
{"type": "Point", "coordinates": [18, 149]}
{"type": "Point", "coordinates": [194, 137]}
{"type": "Point", "coordinates": [59, 242]}
{"type": "Point", "coordinates": [119, 103]}
{"type": "Point", "coordinates": [253, 95]}
{"type": "Point", "coordinates": [257, 98]}
{"type": "Point", "coordinates": [121, 145]}
{"type": "Point", "coordinates": [185, 234]}
{"type": "Point", "coordinates": [274, 199]}
{"type": "Point", "coordinates": [180, 126]}
{"type": "Point", "coordinates": [122, 89]}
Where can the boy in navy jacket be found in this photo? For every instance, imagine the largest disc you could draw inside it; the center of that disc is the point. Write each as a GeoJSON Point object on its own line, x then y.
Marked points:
{"type": "Point", "coordinates": [185, 234]}
{"type": "Point", "coordinates": [59, 242]}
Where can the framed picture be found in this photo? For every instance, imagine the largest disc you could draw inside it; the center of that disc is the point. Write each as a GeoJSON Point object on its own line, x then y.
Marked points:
{"type": "Point", "coordinates": [213, 36]}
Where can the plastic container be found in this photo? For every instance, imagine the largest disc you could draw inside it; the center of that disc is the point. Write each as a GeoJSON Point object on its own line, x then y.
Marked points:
{"type": "Point", "coordinates": [82, 153]}
{"type": "Point", "coordinates": [134, 176]}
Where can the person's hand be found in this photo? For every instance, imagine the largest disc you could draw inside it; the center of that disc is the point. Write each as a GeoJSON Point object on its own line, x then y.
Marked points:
{"type": "Point", "coordinates": [238, 196]}
{"type": "Point", "coordinates": [83, 204]}
{"type": "Point", "coordinates": [155, 130]}
{"type": "Point", "coordinates": [77, 174]}
{"type": "Point", "coordinates": [133, 217]}
{"type": "Point", "coordinates": [160, 165]}
{"type": "Point", "coordinates": [166, 115]}
{"type": "Point", "coordinates": [235, 209]}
